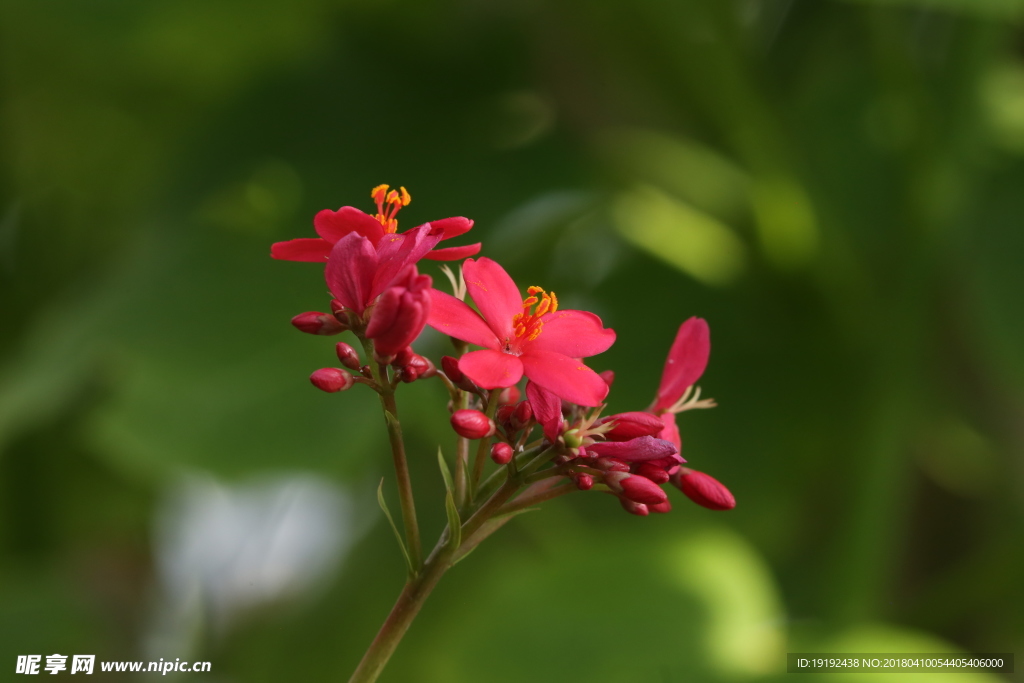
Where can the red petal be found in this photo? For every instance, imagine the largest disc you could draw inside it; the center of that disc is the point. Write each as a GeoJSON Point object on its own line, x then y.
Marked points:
{"type": "Point", "coordinates": [494, 293]}
{"type": "Point", "coordinates": [333, 225]}
{"type": "Point", "coordinates": [671, 430]}
{"type": "Point", "coordinates": [686, 361]}
{"type": "Point", "coordinates": [547, 408]}
{"type": "Point", "coordinates": [491, 369]}
{"type": "Point", "coordinates": [350, 271]}
{"type": "Point", "coordinates": [455, 318]}
{"type": "Point", "coordinates": [397, 252]}
{"type": "Point", "coordinates": [453, 253]}
{"type": "Point", "coordinates": [565, 377]}
{"type": "Point", "coordinates": [639, 449]}
{"type": "Point", "coordinates": [302, 249]}
{"type": "Point", "coordinates": [453, 227]}
{"type": "Point", "coordinates": [576, 334]}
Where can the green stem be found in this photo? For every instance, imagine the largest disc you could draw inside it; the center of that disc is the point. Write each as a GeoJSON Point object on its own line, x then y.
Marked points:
{"type": "Point", "coordinates": [481, 449]}
{"type": "Point", "coordinates": [461, 457]}
{"type": "Point", "coordinates": [402, 478]}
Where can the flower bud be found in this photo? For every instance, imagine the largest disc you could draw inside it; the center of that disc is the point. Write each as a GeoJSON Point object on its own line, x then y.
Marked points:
{"type": "Point", "coordinates": [331, 380]}
{"type": "Point", "coordinates": [608, 376]}
{"type": "Point", "coordinates": [583, 481]}
{"type": "Point", "coordinates": [661, 507]}
{"type": "Point", "coordinates": [365, 371]}
{"type": "Point", "coordinates": [314, 322]}
{"type": "Point", "coordinates": [572, 438]}
{"type": "Point", "coordinates": [472, 424]}
{"type": "Point", "coordinates": [626, 426]}
{"type": "Point", "coordinates": [508, 396]}
{"type": "Point", "coordinates": [704, 490]}
{"type": "Point", "coordinates": [347, 355]}
{"type": "Point", "coordinates": [501, 453]}
{"type": "Point", "coordinates": [503, 416]}
{"type": "Point", "coordinates": [638, 509]}
{"type": "Point", "coordinates": [450, 366]}
{"type": "Point", "coordinates": [611, 465]}
{"type": "Point", "coordinates": [415, 368]}
{"type": "Point", "coordinates": [403, 357]}
{"type": "Point", "coordinates": [656, 474]}
{"type": "Point", "coordinates": [521, 415]}
{"type": "Point", "coordinates": [399, 316]}
{"type": "Point", "coordinates": [638, 489]}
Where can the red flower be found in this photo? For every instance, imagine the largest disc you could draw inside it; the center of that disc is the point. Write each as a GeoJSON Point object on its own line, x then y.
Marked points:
{"type": "Point", "coordinates": [543, 343]}
{"type": "Point", "coordinates": [357, 272]}
{"type": "Point", "coordinates": [401, 312]}
{"type": "Point", "coordinates": [334, 225]}
{"type": "Point", "coordinates": [686, 362]}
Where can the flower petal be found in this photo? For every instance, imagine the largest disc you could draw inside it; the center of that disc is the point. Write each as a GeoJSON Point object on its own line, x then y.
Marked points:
{"type": "Point", "coordinates": [565, 377]}
{"type": "Point", "coordinates": [302, 249]}
{"type": "Point", "coordinates": [453, 253]}
{"type": "Point", "coordinates": [685, 363]}
{"type": "Point", "coordinates": [547, 408]}
{"type": "Point", "coordinates": [491, 369]}
{"type": "Point", "coordinates": [494, 293]}
{"type": "Point", "coordinates": [670, 432]}
{"type": "Point", "coordinates": [333, 225]}
{"type": "Point", "coordinates": [455, 318]}
{"type": "Point", "coordinates": [453, 227]}
{"type": "Point", "coordinates": [635, 450]}
{"type": "Point", "coordinates": [396, 252]}
{"type": "Point", "coordinates": [576, 334]}
{"type": "Point", "coordinates": [350, 271]}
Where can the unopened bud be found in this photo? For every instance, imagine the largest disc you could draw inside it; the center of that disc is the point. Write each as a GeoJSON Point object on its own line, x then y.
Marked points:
{"type": "Point", "coordinates": [314, 322]}
{"type": "Point", "coordinates": [521, 415]}
{"type": "Point", "coordinates": [450, 366]}
{"type": "Point", "coordinates": [366, 372]}
{"type": "Point", "coordinates": [626, 426]}
{"type": "Point", "coordinates": [608, 376]}
{"type": "Point", "coordinates": [414, 369]}
{"type": "Point", "coordinates": [656, 474]}
{"type": "Point", "coordinates": [704, 490]}
{"type": "Point", "coordinates": [611, 465]}
{"type": "Point", "coordinates": [403, 357]}
{"type": "Point", "coordinates": [572, 438]}
{"type": "Point", "coordinates": [661, 507]}
{"type": "Point", "coordinates": [583, 481]}
{"type": "Point", "coordinates": [501, 453]}
{"type": "Point", "coordinates": [508, 396]}
{"type": "Point", "coordinates": [638, 509]}
{"type": "Point", "coordinates": [399, 315]}
{"type": "Point", "coordinates": [347, 355]}
{"type": "Point", "coordinates": [472, 424]}
{"type": "Point", "coordinates": [503, 416]}
{"type": "Point", "coordinates": [331, 380]}
{"type": "Point", "coordinates": [636, 488]}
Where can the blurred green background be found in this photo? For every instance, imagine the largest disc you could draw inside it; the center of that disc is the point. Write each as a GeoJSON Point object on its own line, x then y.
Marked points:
{"type": "Point", "coordinates": [835, 186]}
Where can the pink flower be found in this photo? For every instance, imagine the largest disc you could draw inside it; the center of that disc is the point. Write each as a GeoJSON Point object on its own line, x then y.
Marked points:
{"type": "Point", "coordinates": [358, 272]}
{"type": "Point", "coordinates": [686, 362]}
{"type": "Point", "coordinates": [400, 314]}
{"type": "Point", "coordinates": [522, 336]}
{"type": "Point", "coordinates": [334, 225]}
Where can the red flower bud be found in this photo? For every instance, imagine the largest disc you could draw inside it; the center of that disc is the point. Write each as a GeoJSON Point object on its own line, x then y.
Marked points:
{"type": "Point", "coordinates": [403, 357]}
{"type": "Point", "coordinates": [608, 376]}
{"type": "Point", "coordinates": [313, 322]}
{"type": "Point", "coordinates": [631, 425]}
{"type": "Point", "coordinates": [450, 366]}
{"type": "Point", "coordinates": [399, 316]}
{"type": "Point", "coordinates": [583, 481]}
{"type": "Point", "coordinates": [704, 490]}
{"type": "Point", "coordinates": [347, 355]}
{"type": "Point", "coordinates": [638, 489]}
{"type": "Point", "coordinates": [638, 509]}
{"type": "Point", "coordinates": [508, 396]}
{"type": "Point", "coordinates": [611, 465]}
{"type": "Point", "coordinates": [521, 415]}
{"type": "Point", "coordinates": [472, 424]}
{"type": "Point", "coordinates": [661, 507]}
{"type": "Point", "coordinates": [503, 416]}
{"type": "Point", "coordinates": [331, 380]}
{"type": "Point", "coordinates": [417, 367]}
{"type": "Point", "coordinates": [501, 453]}
{"type": "Point", "coordinates": [656, 474]}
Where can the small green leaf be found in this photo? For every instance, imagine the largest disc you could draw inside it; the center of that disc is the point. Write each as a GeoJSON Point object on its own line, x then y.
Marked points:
{"type": "Point", "coordinates": [391, 520]}
{"type": "Point", "coordinates": [489, 527]}
{"type": "Point", "coordinates": [454, 522]}
{"type": "Point", "coordinates": [393, 422]}
{"type": "Point", "coordinates": [445, 472]}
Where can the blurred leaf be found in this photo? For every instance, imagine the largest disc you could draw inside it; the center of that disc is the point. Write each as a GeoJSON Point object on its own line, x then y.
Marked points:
{"type": "Point", "coordinates": [679, 234]}
{"type": "Point", "coordinates": [391, 520]}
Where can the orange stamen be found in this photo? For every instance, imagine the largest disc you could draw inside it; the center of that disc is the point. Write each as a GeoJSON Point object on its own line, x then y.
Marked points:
{"type": "Point", "coordinates": [528, 324]}
{"type": "Point", "coordinates": [395, 200]}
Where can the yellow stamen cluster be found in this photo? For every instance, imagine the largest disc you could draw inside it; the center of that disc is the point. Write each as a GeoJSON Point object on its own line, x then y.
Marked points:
{"type": "Point", "coordinates": [395, 200]}
{"type": "Point", "coordinates": [528, 324]}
